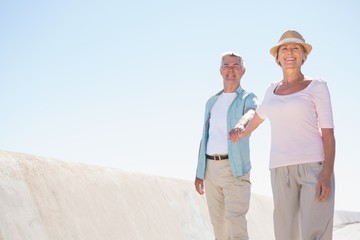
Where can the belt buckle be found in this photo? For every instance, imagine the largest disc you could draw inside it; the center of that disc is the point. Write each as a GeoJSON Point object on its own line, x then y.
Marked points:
{"type": "Point", "coordinates": [217, 157]}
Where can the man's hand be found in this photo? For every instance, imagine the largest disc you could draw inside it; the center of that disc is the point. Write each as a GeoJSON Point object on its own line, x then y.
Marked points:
{"type": "Point", "coordinates": [235, 134]}
{"type": "Point", "coordinates": [199, 185]}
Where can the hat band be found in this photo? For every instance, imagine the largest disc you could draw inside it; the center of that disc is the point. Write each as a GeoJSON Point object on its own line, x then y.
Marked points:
{"type": "Point", "coordinates": [290, 40]}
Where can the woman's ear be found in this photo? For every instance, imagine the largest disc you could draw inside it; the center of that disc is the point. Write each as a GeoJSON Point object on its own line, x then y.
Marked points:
{"type": "Point", "coordinates": [277, 61]}
{"type": "Point", "coordinates": [304, 58]}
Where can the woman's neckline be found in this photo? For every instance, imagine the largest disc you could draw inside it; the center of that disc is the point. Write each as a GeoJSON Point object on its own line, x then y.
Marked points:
{"type": "Point", "coordinates": [287, 92]}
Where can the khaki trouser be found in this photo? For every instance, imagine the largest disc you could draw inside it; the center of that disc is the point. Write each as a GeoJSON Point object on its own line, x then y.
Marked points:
{"type": "Point", "coordinates": [228, 199]}
{"type": "Point", "coordinates": [298, 214]}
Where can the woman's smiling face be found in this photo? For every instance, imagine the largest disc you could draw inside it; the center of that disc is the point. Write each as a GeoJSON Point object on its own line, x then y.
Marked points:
{"type": "Point", "coordinates": [291, 55]}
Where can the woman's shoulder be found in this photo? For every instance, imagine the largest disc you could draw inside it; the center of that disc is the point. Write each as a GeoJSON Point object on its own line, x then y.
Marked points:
{"type": "Point", "coordinates": [272, 86]}
{"type": "Point", "coordinates": [316, 82]}
{"type": "Point", "coordinates": [317, 86]}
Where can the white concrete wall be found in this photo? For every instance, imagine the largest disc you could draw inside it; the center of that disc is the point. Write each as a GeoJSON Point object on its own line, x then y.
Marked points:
{"type": "Point", "coordinates": [42, 198]}
{"type": "Point", "coordinates": [50, 199]}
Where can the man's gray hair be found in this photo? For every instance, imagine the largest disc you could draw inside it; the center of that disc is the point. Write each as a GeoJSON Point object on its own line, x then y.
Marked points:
{"type": "Point", "coordinates": [232, 54]}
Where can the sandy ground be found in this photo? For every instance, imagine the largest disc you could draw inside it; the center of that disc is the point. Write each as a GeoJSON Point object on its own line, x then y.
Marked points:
{"type": "Point", "coordinates": [43, 198]}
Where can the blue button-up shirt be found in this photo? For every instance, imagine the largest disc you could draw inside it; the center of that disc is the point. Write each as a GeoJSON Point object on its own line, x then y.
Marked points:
{"type": "Point", "coordinates": [239, 152]}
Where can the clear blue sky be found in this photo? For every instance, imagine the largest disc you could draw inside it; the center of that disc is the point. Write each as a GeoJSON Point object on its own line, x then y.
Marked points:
{"type": "Point", "coordinates": [123, 83]}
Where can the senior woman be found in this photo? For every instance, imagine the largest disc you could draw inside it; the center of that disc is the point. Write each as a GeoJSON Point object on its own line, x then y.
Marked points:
{"type": "Point", "coordinates": [302, 145]}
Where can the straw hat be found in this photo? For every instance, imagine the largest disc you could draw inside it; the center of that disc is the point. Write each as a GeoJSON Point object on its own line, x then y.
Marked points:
{"type": "Point", "coordinates": [291, 36]}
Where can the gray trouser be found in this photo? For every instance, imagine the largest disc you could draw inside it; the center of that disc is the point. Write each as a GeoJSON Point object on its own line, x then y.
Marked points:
{"type": "Point", "coordinates": [228, 199]}
{"type": "Point", "coordinates": [298, 214]}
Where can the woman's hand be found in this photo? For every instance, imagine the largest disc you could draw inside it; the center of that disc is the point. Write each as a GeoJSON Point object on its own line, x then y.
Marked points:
{"type": "Point", "coordinates": [240, 131]}
{"type": "Point", "coordinates": [323, 188]}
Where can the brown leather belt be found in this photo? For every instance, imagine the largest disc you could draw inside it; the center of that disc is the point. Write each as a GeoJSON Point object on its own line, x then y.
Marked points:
{"type": "Point", "coordinates": [217, 157]}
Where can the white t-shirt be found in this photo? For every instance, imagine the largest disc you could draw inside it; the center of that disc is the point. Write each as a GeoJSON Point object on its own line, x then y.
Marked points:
{"type": "Point", "coordinates": [218, 134]}
{"type": "Point", "coordinates": [295, 121]}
